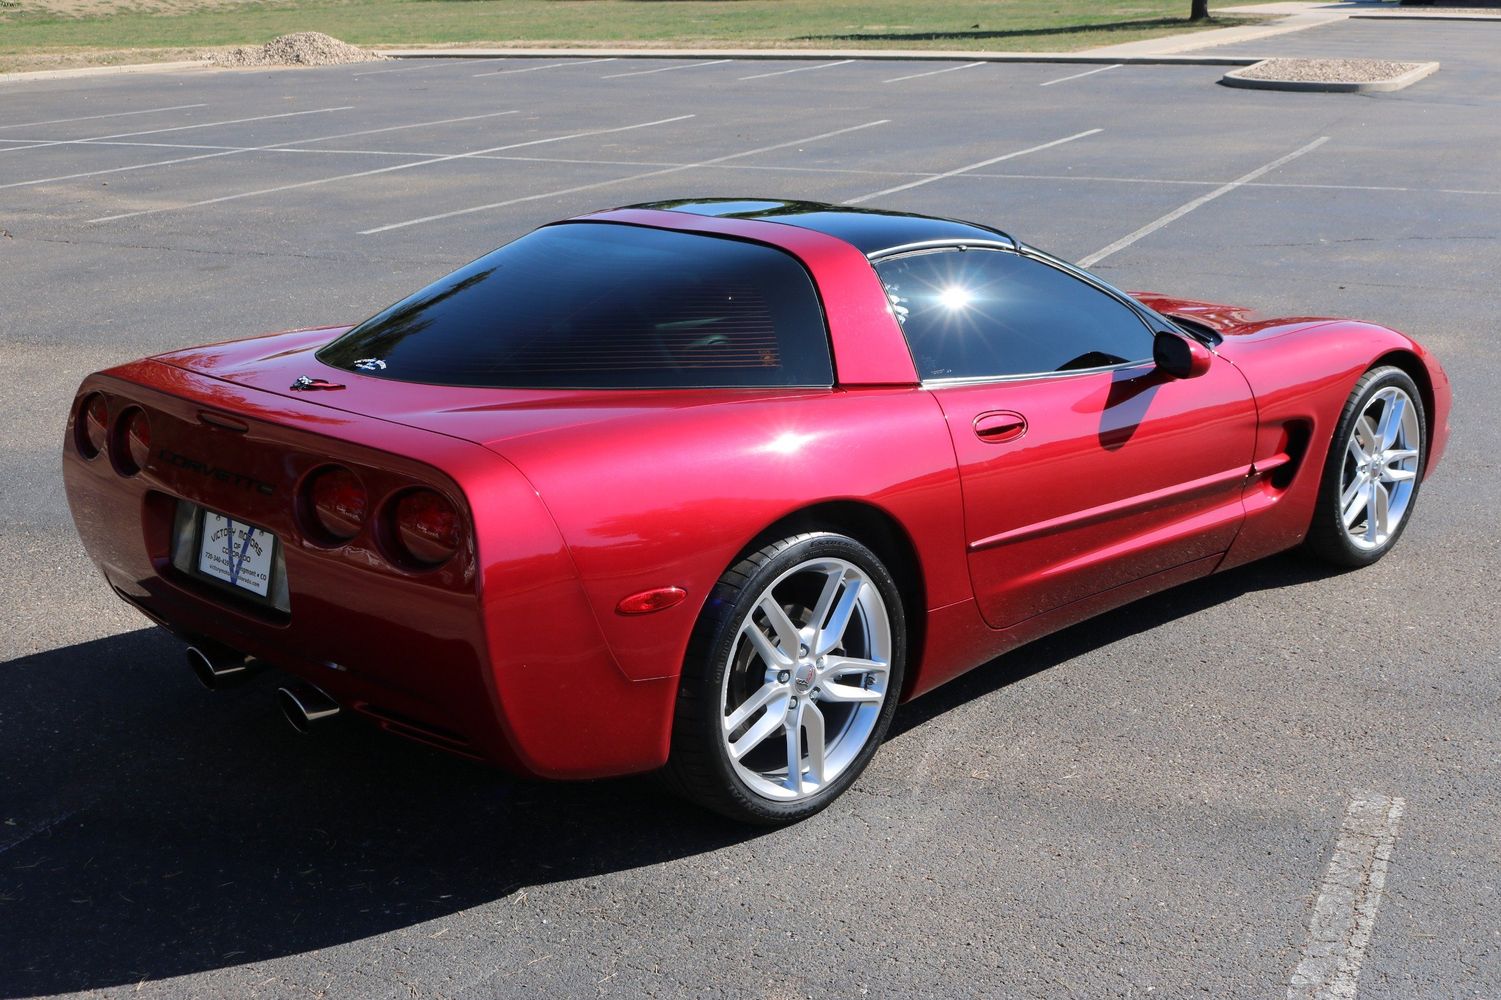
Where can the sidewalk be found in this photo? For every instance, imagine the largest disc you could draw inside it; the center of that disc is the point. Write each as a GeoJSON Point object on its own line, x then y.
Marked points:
{"type": "Point", "coordinates": [1295, 16]}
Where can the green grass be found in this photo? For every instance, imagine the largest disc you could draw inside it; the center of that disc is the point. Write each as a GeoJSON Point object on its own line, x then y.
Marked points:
{"type": "Point", "coordinates": [47, 27]}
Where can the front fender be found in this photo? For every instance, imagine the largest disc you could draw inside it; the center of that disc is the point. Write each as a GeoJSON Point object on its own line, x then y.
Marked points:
{"type": "Point", "coordinates": [1301, 374]}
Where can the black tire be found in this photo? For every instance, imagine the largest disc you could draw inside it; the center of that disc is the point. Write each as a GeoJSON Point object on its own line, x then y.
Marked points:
{"type": "Point", "coordinates": [1327, 537]}
{"type": "Point", "coordinates": [699, 767]}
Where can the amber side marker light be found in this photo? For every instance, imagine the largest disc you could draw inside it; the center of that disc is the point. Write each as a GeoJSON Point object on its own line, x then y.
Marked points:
{"type": "Point", "coordinates": [337, 502]}
{"type": "Point", "coordinates": [424, 527]}
{"type": "Point", "coordinates": [91, 426]}
{"type": "Point", "coordinates": [648, 601]}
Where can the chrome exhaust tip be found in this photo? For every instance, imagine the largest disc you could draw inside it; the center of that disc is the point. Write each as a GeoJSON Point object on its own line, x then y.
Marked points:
{"type": "Point", "coordinates": [303, 705]}
{"type": "Point", "coordinates": [216, 667]}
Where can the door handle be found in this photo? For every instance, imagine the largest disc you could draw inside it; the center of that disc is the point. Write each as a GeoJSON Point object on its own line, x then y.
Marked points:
{"type": "Point", "coordinates": [999, 426]}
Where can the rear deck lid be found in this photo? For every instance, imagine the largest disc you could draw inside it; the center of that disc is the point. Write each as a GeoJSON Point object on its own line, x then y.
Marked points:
{"type": "Point", "coordinates": [286, 364]}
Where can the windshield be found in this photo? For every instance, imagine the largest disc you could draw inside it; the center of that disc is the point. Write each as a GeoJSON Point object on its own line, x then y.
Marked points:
{"type": "Point", "coordinates": [596, 305]}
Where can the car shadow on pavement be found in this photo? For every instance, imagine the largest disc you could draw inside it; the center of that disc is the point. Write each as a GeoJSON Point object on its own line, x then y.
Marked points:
{"type": "Point", "coordinates": [1287, 570]}
{"type": "Point", "coordinates": [149, 829]}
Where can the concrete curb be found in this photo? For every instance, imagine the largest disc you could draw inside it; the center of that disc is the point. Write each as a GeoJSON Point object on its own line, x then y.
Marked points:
{"type": "Point", "coordinates": [874, 55]}
{"type": "Point", "coordinates": [746, 54]}
{"type": "Point", "coordinates": [1395, 16]}
{"type": "Point", "coordinates": [1412, 76]}
{"type": "Point", "coordinates": [68, 74]}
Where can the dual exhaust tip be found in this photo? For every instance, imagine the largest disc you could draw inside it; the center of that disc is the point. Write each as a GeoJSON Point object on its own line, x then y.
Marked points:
{"type": "Point", "coordinates": [302, 705]}
{"type": "Point", "coordinates": [218, 668]}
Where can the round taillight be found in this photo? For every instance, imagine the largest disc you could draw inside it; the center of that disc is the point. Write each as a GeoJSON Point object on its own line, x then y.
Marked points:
{"type": "Point", "coordinates": [425, 527]}
{"type": "Point", "coordinates": [338, 502]}
{"type": "Point", "coordinates": [92, 425]}
{"type": "Point", "coordinates": [132, 441]}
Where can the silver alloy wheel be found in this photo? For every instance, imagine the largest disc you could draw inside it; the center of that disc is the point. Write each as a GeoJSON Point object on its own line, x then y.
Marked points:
{"type": "Point", "coordinates": [1380, 469]}
{"type": "Point", "coordinates": [810, 665]}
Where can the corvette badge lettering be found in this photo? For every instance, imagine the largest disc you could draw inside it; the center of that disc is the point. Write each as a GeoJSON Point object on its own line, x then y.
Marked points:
{"type": "Point", "coordinates": [214, 472]}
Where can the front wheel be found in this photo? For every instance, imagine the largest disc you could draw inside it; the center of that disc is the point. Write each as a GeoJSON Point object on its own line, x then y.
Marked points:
{"type": "Point", "coordinates": [1373, 472]}
{"type": "Point", "coordinates": [791, 680]}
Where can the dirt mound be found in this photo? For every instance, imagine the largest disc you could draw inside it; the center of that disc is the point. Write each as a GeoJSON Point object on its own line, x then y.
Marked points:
{"type": "Point", "coordinates": [305, 48]}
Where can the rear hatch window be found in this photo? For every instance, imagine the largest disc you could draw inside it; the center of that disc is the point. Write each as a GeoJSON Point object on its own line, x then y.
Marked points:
{"type": "Point", "coordinates": [603, 306]}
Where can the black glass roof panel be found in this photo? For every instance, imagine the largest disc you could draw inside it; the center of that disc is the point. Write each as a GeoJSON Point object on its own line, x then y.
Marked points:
{"type": "Point", "coordinates": [871, 231]}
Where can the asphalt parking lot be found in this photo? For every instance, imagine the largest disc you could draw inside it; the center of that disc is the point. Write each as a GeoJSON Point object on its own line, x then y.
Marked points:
{"type": "Point", "coordinates": [1142, 806]}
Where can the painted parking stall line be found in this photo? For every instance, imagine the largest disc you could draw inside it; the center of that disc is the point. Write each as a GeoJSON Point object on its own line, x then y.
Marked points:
{"type": "Point", "coordinates": [1198, 202]}
{"type": "Point", "coordinates": [1077, 76]}
{"type": "Point", "coordinates": [933, 72]}
{"type": "Point", "coordinates": [383, 170]}
{"type": "Point", "coordinates": [798, 69]}
{"type": "Point", "coordinates": [178, 128]}
{"type": "Point", "coordinates": [665, 69]}
{"type": "Point", "coordinates": [1344, 914]}
{"type": "Point", "coordinates": [117, 114]}
{"type": "Point", "coordinates": [556, 65]}
{"type": "Point", "coordinates": [620, 180]}
{"type": "Point", "coordinates": [233, 150]}
{"type": "Point", "coordinates": [298, 147]}
{"type": "Point", "coordinates": [428, 64]}
{"type": "Point", "coordinates": [973, 166]}
{"type": "Point", "coordinates": [1157, 181]}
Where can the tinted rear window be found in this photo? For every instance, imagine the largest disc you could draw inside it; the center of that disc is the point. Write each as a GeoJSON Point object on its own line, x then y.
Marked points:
{"type": "Point", "coordinates": [594, 305]}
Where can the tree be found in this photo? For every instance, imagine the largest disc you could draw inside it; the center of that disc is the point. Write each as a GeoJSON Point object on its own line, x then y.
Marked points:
{"type": "Point", "coordinates": [1200, 10]}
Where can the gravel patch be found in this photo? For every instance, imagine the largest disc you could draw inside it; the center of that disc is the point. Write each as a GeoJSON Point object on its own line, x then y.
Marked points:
{"type": "Point", "coordinates": [304, 48]}
{"type": "Point", "coordinates": [1327, 70]}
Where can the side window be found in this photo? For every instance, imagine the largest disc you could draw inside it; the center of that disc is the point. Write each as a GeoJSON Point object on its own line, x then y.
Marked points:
{"type": "Point", "coordinates": [981, 313]}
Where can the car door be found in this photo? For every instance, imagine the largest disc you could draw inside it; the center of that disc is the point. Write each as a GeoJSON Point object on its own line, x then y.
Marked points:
{"type": "Point", "coordinates": [1083, 466]}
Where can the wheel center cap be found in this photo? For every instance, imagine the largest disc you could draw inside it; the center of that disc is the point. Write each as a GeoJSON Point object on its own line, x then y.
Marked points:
{"type": "Point", "coordinates": [803, 676]}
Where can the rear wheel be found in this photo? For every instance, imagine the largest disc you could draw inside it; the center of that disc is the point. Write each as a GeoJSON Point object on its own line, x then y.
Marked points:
{"type": "Point", "coordinates": [1373, 472]}
{"type": "Point", "coordinates": [791, 680]}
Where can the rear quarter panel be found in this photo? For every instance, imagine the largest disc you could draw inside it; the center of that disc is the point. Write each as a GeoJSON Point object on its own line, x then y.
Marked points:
{"type": "Point", "coordinates": [668, 498]}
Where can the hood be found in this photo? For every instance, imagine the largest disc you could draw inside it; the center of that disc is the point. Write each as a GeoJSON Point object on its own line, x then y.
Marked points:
{"type": "Point", "coordinates": [1227, 320]}
{"type": "Point", "coordinates": [274, 363]}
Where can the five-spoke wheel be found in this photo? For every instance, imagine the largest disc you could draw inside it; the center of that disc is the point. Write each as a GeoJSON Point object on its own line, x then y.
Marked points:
{"type": "Point", "coordinates": [1374, 469]}
{"type": "Point", "coordinates": [792, 680]}
{"type": "Point", "coordinates": [816, 676]}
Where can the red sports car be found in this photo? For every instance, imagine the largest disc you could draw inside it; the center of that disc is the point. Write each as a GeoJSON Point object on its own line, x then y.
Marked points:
{"type": "Point", "coordinates": [709, 486]}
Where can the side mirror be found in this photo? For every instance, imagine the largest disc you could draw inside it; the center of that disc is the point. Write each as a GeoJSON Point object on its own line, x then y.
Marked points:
{"type": "Point", "coordinates": [1180, 356]}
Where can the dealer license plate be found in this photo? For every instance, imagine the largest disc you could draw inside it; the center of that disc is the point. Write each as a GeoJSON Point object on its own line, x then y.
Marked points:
{"type": "Point", "coordinates": [237, 553]}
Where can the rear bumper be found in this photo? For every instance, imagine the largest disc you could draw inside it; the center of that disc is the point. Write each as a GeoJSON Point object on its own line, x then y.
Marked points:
{"type": "Point", "coordinates": [495, 656]}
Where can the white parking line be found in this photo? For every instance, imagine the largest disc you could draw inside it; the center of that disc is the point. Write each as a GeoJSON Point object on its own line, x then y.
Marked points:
{"type": "Point", "coordinates": [296, 148]}
{"type": "Point", "coordinates": [1089, 72]}
{"type": "Point", "coordinates": [1180, 212]}
{"type": "Point", "coordinates": [797, 69]}
{"type": "Point", "coordinates": [178, 128]}
{"type": "Point", "coordinates": [620, 180]}
{"type": "Point", "coordinates": [255, 149]}
{"type": "Point", "coordinates": [973, 166]}
{"type": "Point", "coordinates": [117, 114]}
{"type": "Point", "coordinates": [428, 64]}
{"type": "Point", "coordinates": [664, 69]}
{"type": "Point", "coordinates": [1345, 912]}
{"type": "Point", "coordinates": [383, 170]}
{"type": "Point", "coordinates": [533, 69]}
{"type": "Point", "coordinates": [933, 72]}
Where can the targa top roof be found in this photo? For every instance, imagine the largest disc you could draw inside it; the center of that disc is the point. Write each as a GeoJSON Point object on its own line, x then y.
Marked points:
{"type": "Point", "coordinates": [871, 231]}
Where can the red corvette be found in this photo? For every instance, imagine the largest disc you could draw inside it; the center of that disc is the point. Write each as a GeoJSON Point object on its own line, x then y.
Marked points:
{"type": "Point", "coordinates": [710, 486]}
